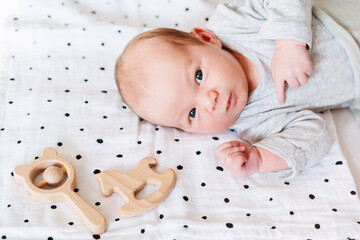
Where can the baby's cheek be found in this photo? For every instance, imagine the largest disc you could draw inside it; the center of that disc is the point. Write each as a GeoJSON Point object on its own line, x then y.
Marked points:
{"type": "Point", "coordinates": [217, 124]}
{"type": "Point", "coordinates": [210, 124]}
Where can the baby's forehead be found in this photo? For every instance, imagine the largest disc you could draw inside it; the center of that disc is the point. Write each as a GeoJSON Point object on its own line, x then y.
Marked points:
{"type": "Point", "coordinates": [155, 44]}
{"type": "Point", "coordinates": [150, 51]}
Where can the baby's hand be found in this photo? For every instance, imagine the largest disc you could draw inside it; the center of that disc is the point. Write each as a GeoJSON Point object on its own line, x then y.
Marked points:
{"type": "Point", "coordinates": [239, 158]}
{"type": "Point", "coordinates": [291, 64]}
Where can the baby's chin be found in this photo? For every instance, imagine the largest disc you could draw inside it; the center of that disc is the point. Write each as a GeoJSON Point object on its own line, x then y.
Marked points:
{"type": "Point", "coordinates": [210, 131]}
{"type": "Point", "coordinates": [214, 130]}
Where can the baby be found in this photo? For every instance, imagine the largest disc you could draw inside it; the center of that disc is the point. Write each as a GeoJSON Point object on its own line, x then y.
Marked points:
{"type": "Point", "coordinates": [260, 68]}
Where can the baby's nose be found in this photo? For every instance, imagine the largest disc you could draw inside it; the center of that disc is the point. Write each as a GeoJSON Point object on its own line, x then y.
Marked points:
{"type": "Point", "coordinates": [210, 100]}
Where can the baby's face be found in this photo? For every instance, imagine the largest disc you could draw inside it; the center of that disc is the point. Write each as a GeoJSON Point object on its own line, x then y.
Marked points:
{"type": "Point", "coordinates": [197, 88]}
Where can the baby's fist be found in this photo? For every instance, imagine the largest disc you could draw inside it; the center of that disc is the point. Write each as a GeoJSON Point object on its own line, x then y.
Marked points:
{"type": "Point", "coordinates": [239, 158]}
{"type": "Point", "coordinates": [290, 65]}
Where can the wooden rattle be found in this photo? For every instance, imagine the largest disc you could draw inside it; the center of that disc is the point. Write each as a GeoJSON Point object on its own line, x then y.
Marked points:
{"type": "Point", "coordinates": [54, 169]}
{"type": "Point", "coordinates": [128, 185]}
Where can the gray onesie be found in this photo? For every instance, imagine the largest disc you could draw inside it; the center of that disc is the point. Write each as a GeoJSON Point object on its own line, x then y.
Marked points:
{"type": "Point", "coordinates": [292, 131]}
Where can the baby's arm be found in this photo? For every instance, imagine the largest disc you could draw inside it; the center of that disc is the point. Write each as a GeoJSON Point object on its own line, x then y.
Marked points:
{"type": "Point", "coordinates": [301, 143]}
{"type": "Point", "coordinates": [289, 24]}
{"type": "Point", "coordinates": [242, 159]}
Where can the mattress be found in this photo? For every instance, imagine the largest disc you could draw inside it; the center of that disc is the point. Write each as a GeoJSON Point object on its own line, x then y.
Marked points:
{"type": "Point", "coordinates": [57, 90]}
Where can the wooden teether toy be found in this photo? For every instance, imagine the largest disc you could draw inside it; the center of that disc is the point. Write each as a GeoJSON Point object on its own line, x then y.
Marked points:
{"type": "Point", "coordinates": [54, 169]}
{"type": "Point", "coordinates": [128, 185]}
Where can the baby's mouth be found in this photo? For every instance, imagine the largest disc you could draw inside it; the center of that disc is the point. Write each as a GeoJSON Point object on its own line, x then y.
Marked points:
{"type": "Point", "coordinates": [229, 102]}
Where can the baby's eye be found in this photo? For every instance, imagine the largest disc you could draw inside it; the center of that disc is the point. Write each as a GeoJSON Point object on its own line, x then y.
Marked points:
{"type": "Point", "coordinates": [192, 114]}
{"type": "Point", "coordinates": [198, 76]}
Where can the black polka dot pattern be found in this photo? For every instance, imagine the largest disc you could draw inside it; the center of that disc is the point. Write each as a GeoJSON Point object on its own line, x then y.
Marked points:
{"type": "Point", "coordinates": [60, 92]}
{"type": "Point", "coordinates": [229, 225]}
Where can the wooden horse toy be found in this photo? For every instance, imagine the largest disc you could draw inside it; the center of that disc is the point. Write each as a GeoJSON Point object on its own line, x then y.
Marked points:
{"type": "Point", "coordinates": [53, 168]}
{"type": "Point", "coordinates": [128, 185]}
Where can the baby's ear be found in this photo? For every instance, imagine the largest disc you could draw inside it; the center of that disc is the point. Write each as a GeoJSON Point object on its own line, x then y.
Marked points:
{"type": "Point", "coordinates": [205, 36]}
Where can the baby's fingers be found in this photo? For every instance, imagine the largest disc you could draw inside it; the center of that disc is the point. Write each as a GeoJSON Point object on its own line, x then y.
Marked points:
{"type": "Point", "coordinates": [228, 144]}
{"type": "Point", "coordinates": [227, 153]}
{"type": "Point", "coordinates": [293, 83]}
{"type": "Point", "coordinates": [280, 91]}
{"type": "Point", "coordinates": [234, 163]}
{"type": "Point", "coordinates": [303, 78]}
{"type": "Point", "coordinates": [229, 147]}
{"type": "Point", "coordinates": [238, 166]}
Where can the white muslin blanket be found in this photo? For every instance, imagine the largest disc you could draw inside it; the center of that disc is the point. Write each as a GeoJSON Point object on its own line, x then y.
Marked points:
{"type": "Point", "coordinates": [57, 90]}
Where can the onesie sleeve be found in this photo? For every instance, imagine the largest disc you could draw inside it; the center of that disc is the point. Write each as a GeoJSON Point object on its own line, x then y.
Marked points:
{"type": "Point", "coordinates": [264, 19]}
{"type": "Point", "coordinates": [304, 140]}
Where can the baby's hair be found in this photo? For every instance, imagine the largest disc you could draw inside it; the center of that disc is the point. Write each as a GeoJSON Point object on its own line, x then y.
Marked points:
{"type": "Point", "coordinates": [130, 73]}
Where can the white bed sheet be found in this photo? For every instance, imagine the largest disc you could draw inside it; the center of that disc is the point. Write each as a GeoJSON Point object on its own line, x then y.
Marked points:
{"type": "Point", "coordinates": [57, 90]}
{"type": "Point", "coordinates": [349, 139]}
